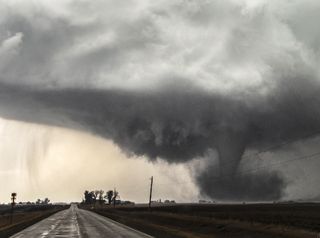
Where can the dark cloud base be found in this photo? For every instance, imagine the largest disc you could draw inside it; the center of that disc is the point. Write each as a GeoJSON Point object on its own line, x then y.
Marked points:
{"type": "Point", "coordinates": [178, 125]}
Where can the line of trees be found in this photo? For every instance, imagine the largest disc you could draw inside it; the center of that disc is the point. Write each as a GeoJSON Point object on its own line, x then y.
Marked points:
{"type": "Point", "coordinates": [45, 201]}
{"type": "Point", "coordinates": [100, 197]}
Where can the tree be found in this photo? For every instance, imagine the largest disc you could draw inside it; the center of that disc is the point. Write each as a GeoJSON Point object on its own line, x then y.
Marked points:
{"type": "Point", "coordinates": [89, 197]}
{"type": "Point", "coordinates": [46, 201]}
{"type": "Point", "coordinates": [115, 196]}
{"type": "Point", "coordinates": [101, 200]}
{"type": "Point", "coordinates": [96, 194]}
{"type": "Point", "coordinates": [13, 203]}
{"type": "Point", "coordinates": [109, 196]}
{"type": "Point", "coordinates": [86, 197]}
{"type": "Point", "coordinates": [13, 198]}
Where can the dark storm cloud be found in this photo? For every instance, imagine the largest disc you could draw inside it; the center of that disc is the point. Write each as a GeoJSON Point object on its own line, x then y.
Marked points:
{"type": "Point", "coordinates": [178, 126]}
{"type": "Point", "coordinates": [169, 80]}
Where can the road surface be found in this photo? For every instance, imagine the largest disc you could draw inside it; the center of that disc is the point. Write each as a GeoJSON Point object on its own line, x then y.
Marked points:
{"type": "Point", "coordinates": [75, 222]}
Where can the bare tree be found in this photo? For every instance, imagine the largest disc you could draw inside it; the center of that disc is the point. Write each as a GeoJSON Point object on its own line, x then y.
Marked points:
{"type": "Point", "coordinates": [109, 196]}
{"type": "Point", "coordinates": [115, 196]}
{"type": "Point", "coordinates": [89, 197]}
{"type": "Point", "coordinates": [46, 201]}
{"type": "Point", "coordinates": [101, 200]}
{"type": "Point", "coordinates": [96, 194]}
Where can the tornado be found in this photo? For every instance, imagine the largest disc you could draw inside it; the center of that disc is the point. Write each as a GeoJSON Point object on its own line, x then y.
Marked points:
{"type": "Point", "coordinates": [230, 146]}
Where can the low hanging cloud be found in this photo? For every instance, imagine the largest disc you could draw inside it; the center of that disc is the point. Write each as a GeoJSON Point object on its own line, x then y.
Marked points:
{"type": "Point", "coordinates": [169, 80]}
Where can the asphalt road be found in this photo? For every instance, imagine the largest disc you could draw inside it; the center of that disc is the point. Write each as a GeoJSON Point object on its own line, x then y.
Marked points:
{"type": "Point", "coordinates": [76, 222]}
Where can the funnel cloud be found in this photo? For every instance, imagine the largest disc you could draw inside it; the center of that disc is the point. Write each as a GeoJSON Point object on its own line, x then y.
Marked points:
{"type": "Point", "coordinates": [170, 80]}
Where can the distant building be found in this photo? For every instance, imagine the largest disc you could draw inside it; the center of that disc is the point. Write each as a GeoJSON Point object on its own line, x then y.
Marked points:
{"type": "Point", "coordinates": [205, 202]}
{"type": "Point", "coordinates": [168, 201]}
{"type": "Point", "coordinates": [127, 203]}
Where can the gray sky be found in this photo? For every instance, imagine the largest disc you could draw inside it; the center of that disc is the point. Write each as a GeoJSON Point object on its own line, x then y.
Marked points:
{"type": "Point", "coordinates": [182, 83]}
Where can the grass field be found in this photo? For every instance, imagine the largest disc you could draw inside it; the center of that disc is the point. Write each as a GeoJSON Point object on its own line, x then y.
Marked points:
{"type": "Point", "coordinates": [293, 220]}
{"type": "Point", "coordinates": [23, 217]}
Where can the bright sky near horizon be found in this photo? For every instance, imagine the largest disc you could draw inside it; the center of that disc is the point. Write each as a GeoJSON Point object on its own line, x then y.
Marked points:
{"type": "Point", "coordinates": [39, 161]}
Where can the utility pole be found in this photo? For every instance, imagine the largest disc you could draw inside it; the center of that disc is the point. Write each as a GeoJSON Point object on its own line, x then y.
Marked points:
{"type": "Point", "coordinates": [150, 197]}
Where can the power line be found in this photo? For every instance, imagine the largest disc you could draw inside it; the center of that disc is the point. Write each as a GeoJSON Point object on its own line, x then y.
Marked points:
{"type": "Point", "coordinates": [286, 161]}
{"type": "Point", "coordinates": [311, 156]}
{"type": "Point", "coordinates": [248, 171]}
{"type": "Point", "coordinates": [270, 148]}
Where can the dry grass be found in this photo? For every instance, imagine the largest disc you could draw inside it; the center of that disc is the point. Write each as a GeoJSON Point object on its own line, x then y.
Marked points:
{"type": "Point", "coordinates": [260, 220]}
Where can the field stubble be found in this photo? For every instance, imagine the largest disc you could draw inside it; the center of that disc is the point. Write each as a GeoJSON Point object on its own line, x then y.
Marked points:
{"type": "Point", "coordinates": [252, 220]}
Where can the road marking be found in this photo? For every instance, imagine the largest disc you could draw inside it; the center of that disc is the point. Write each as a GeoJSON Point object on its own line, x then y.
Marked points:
{"type": "Point", "coordinates": [77, 223]}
